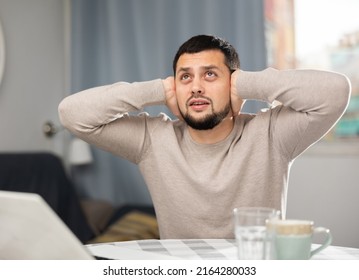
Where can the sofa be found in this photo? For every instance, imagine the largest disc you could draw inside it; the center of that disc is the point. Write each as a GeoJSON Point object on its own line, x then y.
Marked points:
{"type": "Point", "coordinates": [91, 220]}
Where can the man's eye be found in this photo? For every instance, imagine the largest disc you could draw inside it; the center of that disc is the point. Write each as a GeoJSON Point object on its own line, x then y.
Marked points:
{"type": "Point", "coordinates": [185, 77]}
{"type": "Point", "coordinates": [210, 74]}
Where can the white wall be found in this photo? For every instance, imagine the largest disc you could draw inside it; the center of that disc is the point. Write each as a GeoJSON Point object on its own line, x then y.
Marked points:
{"type": "Point", "coordinates": [324, 187]}
{"type": "Point", "coordinates": [34, 79]}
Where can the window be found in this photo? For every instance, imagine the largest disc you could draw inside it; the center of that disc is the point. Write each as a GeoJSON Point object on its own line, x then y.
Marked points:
{"type": "Point", "coordinates": [318, 34]}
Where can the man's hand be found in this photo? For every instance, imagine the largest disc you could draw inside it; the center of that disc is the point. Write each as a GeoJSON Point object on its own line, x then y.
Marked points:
{"type": "Point", "coordinates": [171, 98]}
{"type": "Point", "coordinates": [236, 101]}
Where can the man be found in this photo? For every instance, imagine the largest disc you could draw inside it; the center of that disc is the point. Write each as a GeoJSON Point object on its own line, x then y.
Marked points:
{"type": "Point", "coordinates": [213, 158]}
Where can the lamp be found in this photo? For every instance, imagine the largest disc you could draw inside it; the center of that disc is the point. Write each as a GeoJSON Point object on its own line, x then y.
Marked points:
{"type": "Point", "coordinates": [80, 152]}
{"type": "Point", "coordinates": [79, 160]}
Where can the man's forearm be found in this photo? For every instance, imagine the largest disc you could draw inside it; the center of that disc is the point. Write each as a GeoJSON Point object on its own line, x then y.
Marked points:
{"type": "Point", "coordinates": [302, 90]}
{"type": "Point", "coordinates": [92, 108]}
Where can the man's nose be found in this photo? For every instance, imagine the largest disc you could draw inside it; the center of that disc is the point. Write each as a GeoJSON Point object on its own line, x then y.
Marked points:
{"type": "Point", "coordinates": [197, 88]}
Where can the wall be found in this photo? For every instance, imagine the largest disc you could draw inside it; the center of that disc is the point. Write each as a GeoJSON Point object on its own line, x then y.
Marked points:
{"type": "Point", "coordinates": [324, 187]}
{"type": "Point", "coordinates": [34, 79]}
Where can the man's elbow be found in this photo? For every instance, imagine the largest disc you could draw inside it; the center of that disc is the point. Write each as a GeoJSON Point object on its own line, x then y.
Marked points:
{"type": "Point", "coordinates": [343, 90]}
{"type": "Point", "coordinates": [64, 112]}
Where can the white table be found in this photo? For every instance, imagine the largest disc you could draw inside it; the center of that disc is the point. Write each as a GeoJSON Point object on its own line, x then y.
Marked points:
{"type": "Point", "coordinates": [207, 249]}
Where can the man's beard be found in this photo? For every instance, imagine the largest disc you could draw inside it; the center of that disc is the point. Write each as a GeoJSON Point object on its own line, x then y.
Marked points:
{"type": "Point", "coordinates": [209, 121]}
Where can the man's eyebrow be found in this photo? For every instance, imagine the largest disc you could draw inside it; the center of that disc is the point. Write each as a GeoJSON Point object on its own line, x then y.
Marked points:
{"type": "Point", "coordinates": [210, 67]}
{"type": "Point", "coordinates": [183, 69]}
{"type": "Point", "coordinates": [206, 67]}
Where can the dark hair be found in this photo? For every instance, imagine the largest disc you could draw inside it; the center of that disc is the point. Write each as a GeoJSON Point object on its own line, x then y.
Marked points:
{"type": "Point", "coordinates": [207, 42]}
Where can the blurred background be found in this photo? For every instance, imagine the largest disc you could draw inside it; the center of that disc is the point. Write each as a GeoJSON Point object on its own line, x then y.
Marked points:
{"type": "Point", "coordinates": [52, 48]}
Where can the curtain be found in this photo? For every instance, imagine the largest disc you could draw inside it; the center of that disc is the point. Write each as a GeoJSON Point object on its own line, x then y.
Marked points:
{"type": "Point", "coordinates": [136, 40]}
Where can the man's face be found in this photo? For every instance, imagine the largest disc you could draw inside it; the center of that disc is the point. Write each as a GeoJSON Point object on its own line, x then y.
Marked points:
{"type": "Point", "coordinates": [203, 88]}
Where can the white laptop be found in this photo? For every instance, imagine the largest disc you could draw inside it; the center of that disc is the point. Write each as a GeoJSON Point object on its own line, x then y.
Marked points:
{"type": "Point", "coordinates": [30, 229]}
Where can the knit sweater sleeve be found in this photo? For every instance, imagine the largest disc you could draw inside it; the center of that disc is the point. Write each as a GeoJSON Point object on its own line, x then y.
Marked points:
{"type": "Point", "coordinates": [99, 115]}
{"type": "Point", "coordinates": [312, 102]}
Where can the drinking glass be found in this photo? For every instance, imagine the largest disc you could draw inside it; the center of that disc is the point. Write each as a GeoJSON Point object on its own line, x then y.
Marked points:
{"type": "Point", "coordinates": [254, 241]}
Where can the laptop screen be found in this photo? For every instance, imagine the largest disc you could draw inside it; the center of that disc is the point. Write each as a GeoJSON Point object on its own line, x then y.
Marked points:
{"type": "Point", "coordinates": [30, 229]}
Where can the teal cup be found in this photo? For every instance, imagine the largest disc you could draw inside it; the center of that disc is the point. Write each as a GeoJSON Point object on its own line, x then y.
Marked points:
{"type": "Point", "coordinates": [293, 239]}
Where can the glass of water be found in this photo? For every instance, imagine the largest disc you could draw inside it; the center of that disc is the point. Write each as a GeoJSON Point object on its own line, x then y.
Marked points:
{"type": "Point", "coordinates": [254, 241]}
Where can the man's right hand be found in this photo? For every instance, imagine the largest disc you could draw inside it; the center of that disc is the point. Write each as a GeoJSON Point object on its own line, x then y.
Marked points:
{"type": "Point", "coordinates": [236, 101]}
{"type": "Point", "coordinates": [171, 98]}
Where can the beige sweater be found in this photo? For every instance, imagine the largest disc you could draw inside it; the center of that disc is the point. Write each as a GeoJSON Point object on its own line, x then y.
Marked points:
{"type": "Point", "coordinates": [194, 187]}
